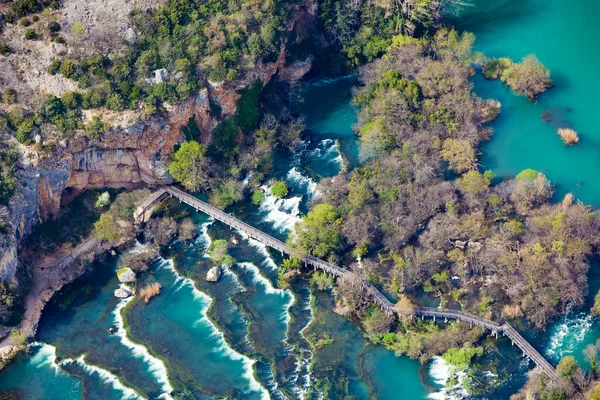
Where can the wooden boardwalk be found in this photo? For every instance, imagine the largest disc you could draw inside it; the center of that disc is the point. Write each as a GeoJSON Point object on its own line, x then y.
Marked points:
{"type": "Point", "coordinates": [144, 211]}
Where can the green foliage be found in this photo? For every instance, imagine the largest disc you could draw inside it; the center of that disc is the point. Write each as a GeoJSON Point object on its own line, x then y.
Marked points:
{"type": "Point", "coordinates": [226, 193]}
{"type": "Point", "coordinates": [494, 68]}
{"type": "Point", "coordinates": [459, 154]}
{"type": "Point", "coordinates": [107, 229]}
{"type": "Point", "coordinates": [247, 108]}
{"type": "Point", "coordinates": [5, 49]}
{"type": "Point", "coordinates": [225, 138]}
{"type": "Point", "coordinates": [188, 165]}
{"type": "Point", "coordinates": [11, 304]}
{"type": "Point", "coordinates": [258, 196]}
{"type": "Point", "coordinates": [461, 358]}
{"type": "Point", "coordinates": [95, 127]}
{"type": "Point", "coordinates": [25, 22]}
{"type": "Point", "coordinates": [30, 34]}
{"type": "Point", "coordinates": [24, 7]}
{"type": "Point", "coordinates": [279, 189]}
{"type": "Point", "coordinates": [473, 182]}
{"type": "Point", "coordinates": [218, 253]}
{"type": "Point", "coordinates": [103, 200]}
{"type": "Point", "coordinates": [54, 27]}
{"type": "Point", "coordinates": [321, 281]}
{"type": "Point", "coordinates": [318, 232]}
{"type": "Point", "coordinates": [596, 307]}
{"type": "Point", "coordinates": [567, 367]}
{"type": "Point", "coordinates": [527, 175]}
{"type": "Point", "coordinates": [10, 95]}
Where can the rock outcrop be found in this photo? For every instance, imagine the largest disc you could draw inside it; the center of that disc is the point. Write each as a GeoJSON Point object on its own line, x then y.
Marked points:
{"type": "Point", "coordinates": [122, 293]}
{"type": "Point", "coordinates": [213, 274]}
{"type": "Point", "coordinates": [126, 275]}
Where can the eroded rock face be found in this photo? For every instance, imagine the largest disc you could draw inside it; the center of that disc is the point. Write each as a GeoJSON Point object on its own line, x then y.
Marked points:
{"type": "Point", "coordinates": [132, 155]}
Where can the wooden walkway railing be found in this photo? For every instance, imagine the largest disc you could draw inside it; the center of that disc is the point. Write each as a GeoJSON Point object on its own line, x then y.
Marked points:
{"type": "Point", "coordinates": [144, 211]}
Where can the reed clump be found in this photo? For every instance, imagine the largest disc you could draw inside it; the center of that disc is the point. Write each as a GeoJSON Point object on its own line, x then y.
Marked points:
{"type": "Point", "coordinates": [512, 311]}
{"type": "Point", "coordinates": [149, 291]}
{"type": "Point", "coordinates": [568, 136]}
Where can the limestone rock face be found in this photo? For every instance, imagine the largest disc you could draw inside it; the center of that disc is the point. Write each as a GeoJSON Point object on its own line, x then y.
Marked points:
{"type": "Point", "coordinates": [126, 275]}
{"type": "Point", "coordinates": [122, 293]}
{"type": "Point", "coordinates": [214, 274]}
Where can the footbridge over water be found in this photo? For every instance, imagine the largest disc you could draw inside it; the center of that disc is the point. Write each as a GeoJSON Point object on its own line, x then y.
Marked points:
{"type": "Point", "coordinates": [145, 209]}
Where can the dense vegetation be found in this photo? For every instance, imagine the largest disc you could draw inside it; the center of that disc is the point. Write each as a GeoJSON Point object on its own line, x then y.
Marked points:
{"type": "Point", "coordinates": [494, 250]}
{"type": "Point", "coordinates": [529, 77]}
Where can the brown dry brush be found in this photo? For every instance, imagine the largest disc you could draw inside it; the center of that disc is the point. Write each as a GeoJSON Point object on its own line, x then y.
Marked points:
{"type": "Point", "coordinates": [148, 291]}
{"type": "Point", "coordinates": [568, 136]}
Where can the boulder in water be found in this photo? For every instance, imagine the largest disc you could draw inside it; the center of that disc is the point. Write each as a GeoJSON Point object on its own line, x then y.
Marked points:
{"type": "Point", "coordinates": [214, 274]}
{"type": "Point", "coordinates": [122, 293]}
{"type": "Point", "coordinates": [126, 275]}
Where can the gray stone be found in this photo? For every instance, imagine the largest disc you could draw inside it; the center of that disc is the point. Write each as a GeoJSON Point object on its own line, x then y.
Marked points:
{"type": "Point", "coordinates": [202, 98]}
{"type": "Point", "coordinates": [161, 75]}
{"type": "Point", "coordinates": [122, 293]}
{"type": "Point", "coordinates": [130, 35]}
{"type": "Point", "coordinates": [126, 275]}
{"type": "Point", "coordinates": [214, 274]}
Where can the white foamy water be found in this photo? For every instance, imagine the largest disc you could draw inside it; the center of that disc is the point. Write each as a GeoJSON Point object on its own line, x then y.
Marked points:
{"type": "Point", "coordinates": [259, 279]}
{"type": "Point", "coordinates": [441, 371]}
{"type": "Point", "coordinates": [281, 213]}
{"type": "Point", "coordinates": [105, 376]}
{"type": "Point", "coordinates": [155, 366]}
{"type": "Point", "coordinates": [568, 334]}
{"type": "Point", "coordinates": [222, 346]}
{"type": "Point", "coordinates": [45, 356]}
{"type": "Point", "coordinates": [295, 178]}
{"type": "Point", "coordinates": [327, 150]}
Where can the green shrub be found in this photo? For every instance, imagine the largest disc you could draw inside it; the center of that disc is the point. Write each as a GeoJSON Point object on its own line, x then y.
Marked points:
{"type": "Point", "coordinates": [279, 189]}
{"type": "Point", "coordinates": [258, 196]}
{"type": "Point", "coordinates": [5, 49]}
{"type": "Point", "coordinates": [68, 69]}
{"type": "Point", "coordinates": [54, 27]}
{"type": "Point", "coordinates": [30, 34]}
{"type": "Point", "coordinates": [247, 110]}
{"type": "Point", "coordinates": [95, 127]}
{"type": "Point", "coordinates": [10, 95]}
{"type": "Point", "coordinates": [54, 67]}
{"type": "Point", "coordinates": [25, 21]}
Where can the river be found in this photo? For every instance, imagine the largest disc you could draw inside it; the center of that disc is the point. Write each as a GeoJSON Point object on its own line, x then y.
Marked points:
{"type": "Point", "coordinates": [243, 338]}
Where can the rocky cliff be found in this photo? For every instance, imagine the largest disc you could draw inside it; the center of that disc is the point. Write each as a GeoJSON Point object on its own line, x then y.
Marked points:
{"type": "Point", "coordinates": [129, 156]}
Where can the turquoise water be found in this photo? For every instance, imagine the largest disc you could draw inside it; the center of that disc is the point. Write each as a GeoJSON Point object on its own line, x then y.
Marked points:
{"type": "Point", "coordinates": [563, 35]}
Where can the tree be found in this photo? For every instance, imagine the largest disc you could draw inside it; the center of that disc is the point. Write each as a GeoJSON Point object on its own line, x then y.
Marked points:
{"type": "Point", "coordinates": [189, 165]}
{"type": "Point", "coordinates": [459, 154]}
{"type": "Point", "coordinates": [591, 353]}
{"type": "Point", "coordinates": [279, 189]}
{"type": "Point", "coordinates": [377, 323]}
{"type": "Point", "coordinates": [321, 280]}
{"type": "Point", "coordinates": [568, 367]}
{"type": "Point", "coordinates": [95, 127]}
{"type": "Point", "coordinates": [461, 358]}
{"type": "Point", "coordinates": [217, 251]}
{"type": "Point", "coordinates": [529, 77]}
{"type": "Point", "coordinates": [258, 196]}
{"type": "Point", "coordinates": [106, 228]}
{"type": "Point", "coordinates": [162, 230]}
{"type": "Point", "coordinates": [103, 200]}
{"type": "Point", "coordinates": [318, 232]}
{"type": "Point", "coordinates": [473, 182]}
{"type": "Point", "coordinates": [187, 229]}
{"type": "Point", "coordinates": [226, 193]}
{"type": "Point", "coordinates": [596, 307]}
